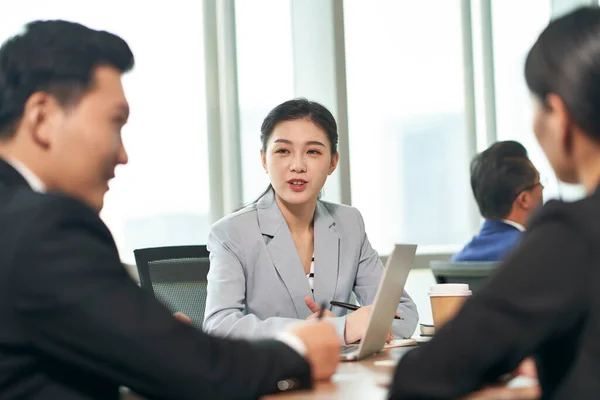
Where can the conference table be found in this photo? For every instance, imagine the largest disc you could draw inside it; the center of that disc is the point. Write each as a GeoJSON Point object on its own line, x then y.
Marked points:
{"type": "Point", "coordinates": [370, 378]}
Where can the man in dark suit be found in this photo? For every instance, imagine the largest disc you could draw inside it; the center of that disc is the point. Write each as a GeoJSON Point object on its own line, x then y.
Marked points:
{"type": "Point", "coordinates": [73, 325]}
{"type": "Point", "coordinates": [508, 190]}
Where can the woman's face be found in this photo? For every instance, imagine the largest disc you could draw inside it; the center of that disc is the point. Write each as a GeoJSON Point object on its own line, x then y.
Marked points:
{"type": "Point", "coordinates": [298, 160]}
{"type": "Point", "coordinates": [552, 129]}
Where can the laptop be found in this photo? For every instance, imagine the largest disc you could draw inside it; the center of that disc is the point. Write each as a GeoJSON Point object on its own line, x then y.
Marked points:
{"type": "Point", "coordinates": [391, 286]}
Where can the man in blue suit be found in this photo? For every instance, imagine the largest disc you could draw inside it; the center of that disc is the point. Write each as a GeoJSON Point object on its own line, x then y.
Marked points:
{"type": "Point", "coordinates": [507, 189]}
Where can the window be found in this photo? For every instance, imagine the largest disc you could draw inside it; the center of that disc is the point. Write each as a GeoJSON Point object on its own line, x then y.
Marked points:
{"type": "Point", "coordinates": [514, 33]}
{"type": "Point", "coordinates": [409, 161]}
{"type": "Point", "coordinates": [265, 78]}
{"type": "Point", "coordinates": [161, 197]}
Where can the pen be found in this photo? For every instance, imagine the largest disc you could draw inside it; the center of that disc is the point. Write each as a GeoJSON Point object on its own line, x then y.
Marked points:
{"type": "Point", "coordinates": [321, 310]}
{"type": "Point", "coordinates": [352, 307]}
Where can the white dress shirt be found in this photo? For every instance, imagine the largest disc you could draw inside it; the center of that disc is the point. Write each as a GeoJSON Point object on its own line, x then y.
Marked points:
{"type": "Point", "coordinates": [32, 179]}
{"type": "Point", "coordinates": [293, 341]}
{"type": "Point", "coordinates": [515, 224]}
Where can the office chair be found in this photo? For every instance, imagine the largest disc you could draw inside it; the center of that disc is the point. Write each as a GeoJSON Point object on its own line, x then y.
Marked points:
{"type": "Point", "coordinates": [476, 274]}
{"type": "Point", "coordinates": [177, 278]}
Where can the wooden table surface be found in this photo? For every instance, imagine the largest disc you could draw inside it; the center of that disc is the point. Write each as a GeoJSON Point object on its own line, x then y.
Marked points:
{"type": "Point", "coordinates": [369, 379]}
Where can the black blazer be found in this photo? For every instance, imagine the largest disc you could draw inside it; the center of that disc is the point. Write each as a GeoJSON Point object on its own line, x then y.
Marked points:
{"type": "Point", "coordinates": [73, 325]}
{"type": "Point", "coordinates": [543, 301]}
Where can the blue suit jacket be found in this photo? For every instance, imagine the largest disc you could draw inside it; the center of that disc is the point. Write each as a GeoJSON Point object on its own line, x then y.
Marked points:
{"type": "Point", "coordinates": [493, 243]}
{"type": "Point", "coordinates": [256, 282]}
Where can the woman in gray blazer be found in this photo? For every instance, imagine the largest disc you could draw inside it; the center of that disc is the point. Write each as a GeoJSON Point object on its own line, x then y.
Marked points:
{"type": "Point", "coordinates": [273, 261]}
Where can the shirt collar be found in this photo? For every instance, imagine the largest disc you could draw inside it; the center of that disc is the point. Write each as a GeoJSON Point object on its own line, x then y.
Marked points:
{"type": "Point", "coordinates": [32, 179]}
{"type": "Point", "coordinates": [515, 224]}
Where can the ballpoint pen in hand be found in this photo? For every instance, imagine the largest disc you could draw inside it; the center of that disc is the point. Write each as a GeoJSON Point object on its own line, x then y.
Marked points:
{"type": "Point", "coordinates": [352, 307]}
{"type": "Point", "coordinates": [322, 310]}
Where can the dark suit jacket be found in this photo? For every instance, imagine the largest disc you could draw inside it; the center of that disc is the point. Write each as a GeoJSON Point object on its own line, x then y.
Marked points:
{"type": "Point", "coordinates": [544, 301]}
{"type": "Point", "coordinates": [494, 241]}
{"type": "Point", "coordinates": [73, 325]}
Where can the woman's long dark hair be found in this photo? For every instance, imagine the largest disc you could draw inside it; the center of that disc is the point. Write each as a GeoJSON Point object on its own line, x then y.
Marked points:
{"type": "Point", "coordinates": [565, 60]}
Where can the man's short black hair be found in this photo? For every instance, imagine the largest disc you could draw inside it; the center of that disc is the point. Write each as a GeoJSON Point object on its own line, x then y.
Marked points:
{"type": "Point", "coordinates": [498, 175]}
{"type": "Point", "coordinates": [57, 57]}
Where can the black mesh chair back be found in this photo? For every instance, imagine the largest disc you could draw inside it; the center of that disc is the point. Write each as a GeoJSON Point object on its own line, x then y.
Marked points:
{"type": "Point", "coordinates": [475, 274]}
{"type": "Point", "coordinates": [177, 278]}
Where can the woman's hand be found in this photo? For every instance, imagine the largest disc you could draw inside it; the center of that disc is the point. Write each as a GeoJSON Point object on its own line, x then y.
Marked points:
{"type": "Point", "coordinates": [312, 306]}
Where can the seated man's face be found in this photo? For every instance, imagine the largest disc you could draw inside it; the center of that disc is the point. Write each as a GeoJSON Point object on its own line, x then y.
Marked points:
{"type": "Point", "coordinates": [86, 144]}
{"type": "Point", "coordinates": [536, 193]}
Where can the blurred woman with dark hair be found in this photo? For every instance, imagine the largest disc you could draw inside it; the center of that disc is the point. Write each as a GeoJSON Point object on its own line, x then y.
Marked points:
{"type": "Point", "coordinates": [544, 301]}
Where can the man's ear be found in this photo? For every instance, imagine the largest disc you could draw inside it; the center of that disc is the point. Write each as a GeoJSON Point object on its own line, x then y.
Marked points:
{"type": "Point", "coordinates": [39, 118]}
{"type": "Point", "coordinates": [524, 200]}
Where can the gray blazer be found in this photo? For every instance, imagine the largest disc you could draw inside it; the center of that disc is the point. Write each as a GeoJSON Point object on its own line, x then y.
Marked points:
{"type": "Point", "coordinates": [256, 282]}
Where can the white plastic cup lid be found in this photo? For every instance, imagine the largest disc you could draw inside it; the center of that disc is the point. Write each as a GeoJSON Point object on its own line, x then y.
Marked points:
{"type": "Point", "coordinates": [449, 289]}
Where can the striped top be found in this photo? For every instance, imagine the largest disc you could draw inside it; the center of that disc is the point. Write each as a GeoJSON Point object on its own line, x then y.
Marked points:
{"type": "Point", "coordinates": [311, 275]}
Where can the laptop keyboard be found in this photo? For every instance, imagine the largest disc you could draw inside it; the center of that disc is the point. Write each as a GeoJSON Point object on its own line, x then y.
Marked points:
{"type": "Point", "coordinates": [349, 348]}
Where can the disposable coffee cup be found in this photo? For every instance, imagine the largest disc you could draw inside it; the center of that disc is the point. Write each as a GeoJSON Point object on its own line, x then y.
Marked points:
{"type": "Point", "coordinates": [446, 301]}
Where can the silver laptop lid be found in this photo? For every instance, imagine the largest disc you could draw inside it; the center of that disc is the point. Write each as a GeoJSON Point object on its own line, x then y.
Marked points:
{"type": "Point", "coordinates": [391, 287]}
